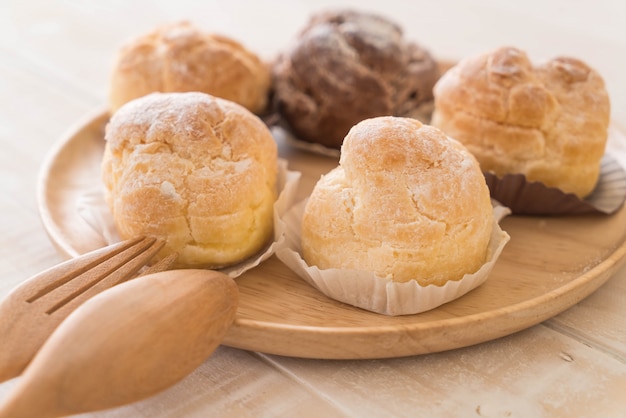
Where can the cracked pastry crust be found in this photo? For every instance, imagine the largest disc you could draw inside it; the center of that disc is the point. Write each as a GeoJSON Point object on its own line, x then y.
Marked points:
{"type": "Point", "coordinates": [180, 58]}
{"type": "Point", "coordinates": [547, 122]}
{"type": "Point", "coordinates": [347, 66]}
{"type": "Point", "coordinates": [405, 202]}
{"type": "Point", "coordinates": [196, 170]}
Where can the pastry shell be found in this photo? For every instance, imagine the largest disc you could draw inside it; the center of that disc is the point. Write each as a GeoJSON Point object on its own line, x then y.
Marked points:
{"type": "Point", "coordinates": [92, 207]}
{"type": "Point", "coordinates": [365, 290]}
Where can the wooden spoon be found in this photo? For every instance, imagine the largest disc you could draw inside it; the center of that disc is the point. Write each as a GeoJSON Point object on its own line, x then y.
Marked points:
{"type": "Point", "coordinates": [127, 343]}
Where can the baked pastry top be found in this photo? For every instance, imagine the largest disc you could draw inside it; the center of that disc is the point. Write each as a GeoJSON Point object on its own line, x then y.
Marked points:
{"type": "Point", "coordinates": [548, 122]}
{"type": "Point", "coordinates": [180, 57]}
{"type": "Point", "coordinates": [405, 202]}
{"type": "Point", "coordinates": [196, 170]}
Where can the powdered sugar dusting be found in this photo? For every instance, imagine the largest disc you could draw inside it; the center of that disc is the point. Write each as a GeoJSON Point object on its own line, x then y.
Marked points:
{"type": "Point", "coordinates": [152, 113]}
{"type": "Point", "coordinates": [169, 191]}
{"type": "Point", "coordinates": [178, 32]}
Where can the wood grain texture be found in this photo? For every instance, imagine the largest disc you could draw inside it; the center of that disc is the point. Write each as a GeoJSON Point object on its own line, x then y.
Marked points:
{"type": "Point", "coordinates": [534, 373]}
{"type": "Point", "coordinates": [127, 343]}
{"type": "Point", "coordinates": [33, 310]}
{"type": "Point", "coordinates": [550, 264]}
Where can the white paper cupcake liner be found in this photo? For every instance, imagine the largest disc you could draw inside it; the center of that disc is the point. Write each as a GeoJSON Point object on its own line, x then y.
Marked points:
{"type": "Point", "coordinates": [365, 290]}
{"type": "Point", "coordinates": [281, 133]}
{"type": "Point", "coordinates": [91, 206]}
{"type": "Point", "coordinates": [422, 113]}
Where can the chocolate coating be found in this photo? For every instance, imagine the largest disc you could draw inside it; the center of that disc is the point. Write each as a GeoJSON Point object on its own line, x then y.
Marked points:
{"type": "Point", "coordinates": [348, 66]}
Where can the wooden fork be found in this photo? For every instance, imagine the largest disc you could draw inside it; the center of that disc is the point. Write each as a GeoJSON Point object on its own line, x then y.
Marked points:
{"type": "Point", "coordinates": [32, 311]}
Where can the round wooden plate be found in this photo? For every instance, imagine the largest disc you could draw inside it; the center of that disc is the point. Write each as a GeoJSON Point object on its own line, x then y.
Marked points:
{"type": "Point", "coordinates": [550, 264]}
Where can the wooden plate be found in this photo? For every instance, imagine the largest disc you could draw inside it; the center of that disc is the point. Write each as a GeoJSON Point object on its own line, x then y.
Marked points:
{"type": "Point", "coordinates": [549, 265]}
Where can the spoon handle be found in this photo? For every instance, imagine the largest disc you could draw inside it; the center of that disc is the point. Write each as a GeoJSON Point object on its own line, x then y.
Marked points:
{"type": "Point", "coordinates": [126, 344]}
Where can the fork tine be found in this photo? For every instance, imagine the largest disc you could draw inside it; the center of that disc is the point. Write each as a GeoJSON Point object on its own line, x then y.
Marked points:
{"type": "Point", "coordinates": [56, 276]}
{"type": "Point", "coordinates": [161, 265]}
{"type": "Point", "coordinates": [71, 289]}
{"type": "Point", "coordinates": [115, 271]}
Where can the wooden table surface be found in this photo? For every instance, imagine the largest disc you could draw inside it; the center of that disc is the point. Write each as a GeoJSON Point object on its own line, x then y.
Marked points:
{"type": "Point", "coordinates": [55, 58]}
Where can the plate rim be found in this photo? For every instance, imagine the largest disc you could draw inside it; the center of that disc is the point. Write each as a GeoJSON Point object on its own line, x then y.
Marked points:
{"type": "Point", "coordinates": [43, 176]}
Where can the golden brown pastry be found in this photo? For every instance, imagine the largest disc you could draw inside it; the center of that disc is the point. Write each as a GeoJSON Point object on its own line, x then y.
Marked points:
{"type": "Point", "coordinates": [405, 202]}
{"type": "Point", "coordinates": [196, 170]}
{"type": "Point", "coordinates": [346, 66]}
{"type": "Point", "coordinates": [180, 58]}
{"type": "Point", "coordinates": [547, 122]}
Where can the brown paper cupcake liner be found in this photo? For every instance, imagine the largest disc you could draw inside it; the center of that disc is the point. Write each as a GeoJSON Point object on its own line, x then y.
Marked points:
{"type": "Point", "coordinates": [525, 197]}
